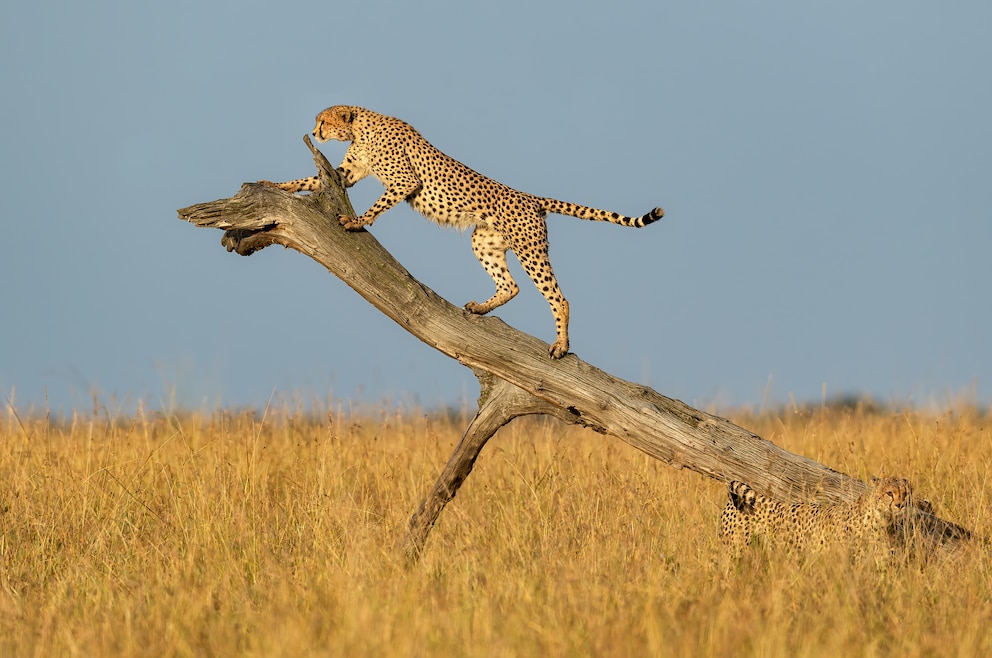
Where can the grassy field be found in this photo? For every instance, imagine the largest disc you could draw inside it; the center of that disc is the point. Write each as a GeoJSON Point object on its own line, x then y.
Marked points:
{"type": "Point", "coordinates": [236, 534]}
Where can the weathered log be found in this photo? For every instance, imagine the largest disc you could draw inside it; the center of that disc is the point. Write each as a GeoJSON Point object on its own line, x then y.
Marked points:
{"type": "Point", "coordinates": [516, 374]}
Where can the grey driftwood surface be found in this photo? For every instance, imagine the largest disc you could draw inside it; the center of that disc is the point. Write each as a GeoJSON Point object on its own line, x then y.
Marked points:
{"type": "Point", "coordinates": [517, 378]}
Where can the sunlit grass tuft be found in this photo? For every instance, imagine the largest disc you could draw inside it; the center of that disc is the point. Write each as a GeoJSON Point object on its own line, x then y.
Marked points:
{"type": "Point", "coordinates": [234, 534]}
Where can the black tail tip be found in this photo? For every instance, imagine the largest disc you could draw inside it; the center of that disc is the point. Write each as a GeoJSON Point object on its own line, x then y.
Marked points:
{"type": "Point", "coordinates": [652, 217]}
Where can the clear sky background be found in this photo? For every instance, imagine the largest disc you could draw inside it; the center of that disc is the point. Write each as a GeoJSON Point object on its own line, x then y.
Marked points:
{"type": "Point", "coordinates": [825, 168]}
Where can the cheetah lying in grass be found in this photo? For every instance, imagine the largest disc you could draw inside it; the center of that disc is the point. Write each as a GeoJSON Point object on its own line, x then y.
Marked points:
{"type": "Point", "coordinates": [448, 192]}
{"type": "Point", "coordinates": [874, 518]}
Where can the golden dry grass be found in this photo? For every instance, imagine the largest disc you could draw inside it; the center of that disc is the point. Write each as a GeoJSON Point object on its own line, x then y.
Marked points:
{"type": "Point", "coordinates": [183, 535]}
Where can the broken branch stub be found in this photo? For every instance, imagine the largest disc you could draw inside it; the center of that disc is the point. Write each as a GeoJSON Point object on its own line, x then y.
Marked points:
{"type": "Point", "coordinates": [516, 374]}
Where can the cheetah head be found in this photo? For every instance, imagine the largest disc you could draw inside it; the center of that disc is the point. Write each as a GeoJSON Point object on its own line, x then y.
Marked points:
{"type": "Point", "coordinates": [335, 123]}
{"type": "Point", "coordinates": [891, 496]}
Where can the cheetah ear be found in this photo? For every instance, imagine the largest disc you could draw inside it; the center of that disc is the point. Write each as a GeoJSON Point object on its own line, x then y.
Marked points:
{"type": "Point", "coordinates": [347, 114]}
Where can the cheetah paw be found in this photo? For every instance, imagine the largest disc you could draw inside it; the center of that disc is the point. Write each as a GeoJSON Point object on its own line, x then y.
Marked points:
{"type": "Point", "coordinates": [350, 224]}
{"type": "Point", "coordinates": [558, 349]}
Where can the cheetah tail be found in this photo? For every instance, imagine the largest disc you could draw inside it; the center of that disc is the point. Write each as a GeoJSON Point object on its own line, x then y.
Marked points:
{"type": "Point", "coordinates": [584, 212]}
{"type": "Point", "coordinates": [742, 496]}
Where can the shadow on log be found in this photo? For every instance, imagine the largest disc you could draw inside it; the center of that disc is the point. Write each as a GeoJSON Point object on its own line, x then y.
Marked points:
{"type": "Point", "coordinates": [516, 376]}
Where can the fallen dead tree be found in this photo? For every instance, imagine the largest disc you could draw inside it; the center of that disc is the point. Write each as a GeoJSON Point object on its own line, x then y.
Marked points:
{"type": "Point", "coordinates": [516, 376]}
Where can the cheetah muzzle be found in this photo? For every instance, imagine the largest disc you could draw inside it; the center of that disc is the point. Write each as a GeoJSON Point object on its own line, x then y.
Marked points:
{"type": "Point", "coordinates": [451, 194]}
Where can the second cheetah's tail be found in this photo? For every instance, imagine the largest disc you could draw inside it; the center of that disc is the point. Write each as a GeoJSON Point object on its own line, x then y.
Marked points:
{"type": "Point", "coordinates": [584, 212]}
{"type": "Point", "coordinates": [742, 496]}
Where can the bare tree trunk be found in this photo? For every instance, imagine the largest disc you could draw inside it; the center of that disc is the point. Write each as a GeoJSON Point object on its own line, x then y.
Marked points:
{"type": "Point", "coordinates": [516, 375]}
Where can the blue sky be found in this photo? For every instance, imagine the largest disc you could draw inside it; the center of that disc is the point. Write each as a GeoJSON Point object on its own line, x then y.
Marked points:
{"type": "Point", "coordinates": [825, 168]}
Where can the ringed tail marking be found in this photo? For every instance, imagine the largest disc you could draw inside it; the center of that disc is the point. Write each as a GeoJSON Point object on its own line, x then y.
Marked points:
{"type": "Point", "coordinates": [742, 496]}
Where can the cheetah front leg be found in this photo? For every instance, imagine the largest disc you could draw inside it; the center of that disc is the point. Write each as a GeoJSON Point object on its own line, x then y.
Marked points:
{"type": "Point", "coordinates": [398, 190]}
{"type": "Point", "coordinates": [308, 184]}
{"type": "Point", "coordinates": [490, 248]}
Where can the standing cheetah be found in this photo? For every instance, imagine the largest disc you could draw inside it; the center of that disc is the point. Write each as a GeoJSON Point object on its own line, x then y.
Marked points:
{"type": "Point", "coordinates": [451, 194]}
{"type": "Point", "coordinates": [810, 525]}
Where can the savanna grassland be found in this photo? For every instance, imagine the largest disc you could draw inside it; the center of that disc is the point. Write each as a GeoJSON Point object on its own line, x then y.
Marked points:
{"type": "Point", "coordinates": [280, 535]}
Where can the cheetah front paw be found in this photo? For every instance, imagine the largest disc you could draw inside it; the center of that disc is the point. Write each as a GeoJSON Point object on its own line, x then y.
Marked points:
{"type": "Point", "coordinates": [351, 223]}
{"type": "Point", "coordinates": [475, 307]}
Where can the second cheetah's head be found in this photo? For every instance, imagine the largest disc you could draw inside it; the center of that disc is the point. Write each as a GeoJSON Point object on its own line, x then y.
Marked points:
{"type": "Point", "coordinates": [336, 123]}
{"type": "Point", "coordinates": [892, 496]}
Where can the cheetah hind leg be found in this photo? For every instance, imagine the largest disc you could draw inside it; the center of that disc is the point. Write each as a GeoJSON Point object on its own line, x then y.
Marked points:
{"type": "Point", "coordinates": [490, 248]}
{"type": "Point", "coordinates": [532, 251]}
